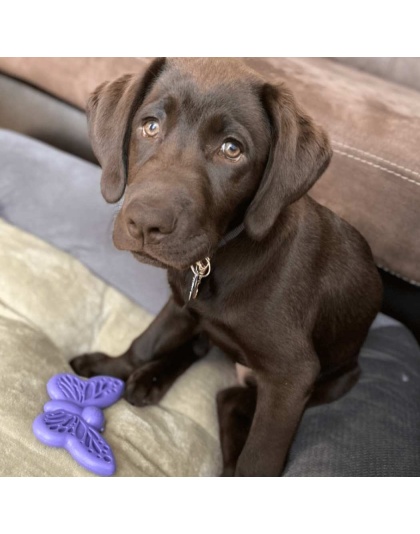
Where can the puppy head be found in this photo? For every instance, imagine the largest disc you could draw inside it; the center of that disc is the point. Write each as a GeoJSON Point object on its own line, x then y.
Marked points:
{"type": "Point", "coordinates": [199, 145]}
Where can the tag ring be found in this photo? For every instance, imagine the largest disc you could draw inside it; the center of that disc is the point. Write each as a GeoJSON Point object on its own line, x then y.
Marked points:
{"type": "Point", "coordinates": [202, 269]}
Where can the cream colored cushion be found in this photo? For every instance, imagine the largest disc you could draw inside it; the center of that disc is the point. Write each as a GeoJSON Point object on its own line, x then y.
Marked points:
{"type": "Point", "coordinates": [51, 309]}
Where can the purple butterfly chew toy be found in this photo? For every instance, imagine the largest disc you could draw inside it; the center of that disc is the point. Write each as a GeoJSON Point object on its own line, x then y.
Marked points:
{"type": "Point", "coordinates": [74, 418]}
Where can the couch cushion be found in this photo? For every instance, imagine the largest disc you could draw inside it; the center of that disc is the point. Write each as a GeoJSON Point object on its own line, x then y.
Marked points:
{"type": "Point", "coordinates": [30, 111]}
{"type": "Point", "coordinates": [374, 178]}
{"type": "Point", "coordinates": [70, 78]}
{"type": "Point", "coordinates": [402, 70]}
{"type": "Point", "coordinates": [374, 429]}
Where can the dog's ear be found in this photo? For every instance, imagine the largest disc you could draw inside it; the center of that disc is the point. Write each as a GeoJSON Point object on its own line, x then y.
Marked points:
{"type": "Point", "coordinates": [110, 111]}
{"type": "Point", "coordinates": [299, 154]}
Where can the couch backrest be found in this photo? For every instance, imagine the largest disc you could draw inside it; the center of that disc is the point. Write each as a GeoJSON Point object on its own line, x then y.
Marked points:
{"type": "Point", "coordinates": [402, 70]}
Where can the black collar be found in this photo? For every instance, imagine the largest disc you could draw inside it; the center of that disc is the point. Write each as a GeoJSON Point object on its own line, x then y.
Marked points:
{"type": "Point", "coordinates": [231, 235]}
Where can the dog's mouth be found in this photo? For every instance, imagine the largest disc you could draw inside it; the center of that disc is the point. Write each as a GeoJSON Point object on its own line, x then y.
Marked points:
{"type": "Point", "coordinates": [144, 258]}
{"type": "Point", "coordinates": [178, 256]}
{"type": "Point", "coordinates": [177, 252]}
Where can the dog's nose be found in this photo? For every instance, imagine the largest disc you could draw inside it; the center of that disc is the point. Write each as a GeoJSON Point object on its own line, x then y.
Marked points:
{"type": "Point", "coordinates": [150, 223]}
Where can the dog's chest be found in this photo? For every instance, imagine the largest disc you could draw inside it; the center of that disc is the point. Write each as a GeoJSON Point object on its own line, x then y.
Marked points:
{"type": "Point", "coordinates": [214, 316]}
{"type": "Point", "coordinates": [215, 310]}
{"type": "Point", "coordinates": [192, 291]}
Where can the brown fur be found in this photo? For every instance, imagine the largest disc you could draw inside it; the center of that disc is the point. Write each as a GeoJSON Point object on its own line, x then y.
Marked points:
{"type": "Point", "coordinates": [292, 297]}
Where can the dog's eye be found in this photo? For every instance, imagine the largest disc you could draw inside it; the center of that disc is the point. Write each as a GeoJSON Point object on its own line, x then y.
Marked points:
{"type": "Point", "coordinates": [150, 128]}
{"type": "Point", "coordinates": [231, 150]}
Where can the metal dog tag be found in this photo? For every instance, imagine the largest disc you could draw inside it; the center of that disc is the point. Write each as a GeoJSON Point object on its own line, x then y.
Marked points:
{"type": "Point", "coordinates": [201, 270]}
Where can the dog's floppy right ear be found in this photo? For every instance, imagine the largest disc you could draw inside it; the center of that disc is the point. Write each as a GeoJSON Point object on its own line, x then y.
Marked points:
{"type": "Point", "coordinates": [300, 153]}
{"type": "Point", "coordinates": [110, 111]}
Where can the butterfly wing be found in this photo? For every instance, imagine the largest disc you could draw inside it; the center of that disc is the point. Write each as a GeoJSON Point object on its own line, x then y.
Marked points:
{"type": "Point", "coordinates": [99, 391]}
{"type": "Point", "coordinates": [70, 431]}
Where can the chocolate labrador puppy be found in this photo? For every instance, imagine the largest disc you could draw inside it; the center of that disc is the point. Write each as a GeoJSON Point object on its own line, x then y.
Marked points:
{"type": "Point", "coordinates": [214, 165]}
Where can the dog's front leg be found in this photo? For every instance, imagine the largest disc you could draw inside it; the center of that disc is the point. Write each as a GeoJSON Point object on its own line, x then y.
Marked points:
{"type": "Point", "coordinates": [171, 329]}
{"type": "Point", "coordinates": [281, 400]}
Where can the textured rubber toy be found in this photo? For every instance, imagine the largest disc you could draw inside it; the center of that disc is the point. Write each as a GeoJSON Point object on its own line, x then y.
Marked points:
{"type": "Point", "coordinates": [73, 419]}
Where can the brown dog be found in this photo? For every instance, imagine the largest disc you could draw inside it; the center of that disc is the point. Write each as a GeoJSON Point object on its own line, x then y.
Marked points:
{"type": "Point", "coordinates": [215, 164]}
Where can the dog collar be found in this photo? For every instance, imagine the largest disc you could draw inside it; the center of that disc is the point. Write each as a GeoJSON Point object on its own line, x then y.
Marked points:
{"type": "Point", "coordinates": [201, 269]}
{"type": "Point", "coordinates": [231, 235]}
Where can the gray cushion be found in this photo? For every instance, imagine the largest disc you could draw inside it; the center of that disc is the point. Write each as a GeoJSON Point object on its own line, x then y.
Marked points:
{"type": "Point", "coordinates": [57, 197]}
{"type": "Point", "coordinates": [374, 430]}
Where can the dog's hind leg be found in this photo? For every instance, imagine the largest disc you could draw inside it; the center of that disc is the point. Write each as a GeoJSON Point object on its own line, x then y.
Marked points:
{"type": "Point", "coordinates": [235, 409]}
{"type": "Point", "coordinates": [331, 387]}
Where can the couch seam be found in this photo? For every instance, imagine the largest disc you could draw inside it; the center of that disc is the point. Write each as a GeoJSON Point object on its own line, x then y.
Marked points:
{"type": "Point", "coordinates": [377, 167]}
{"type": "Point", "coordinates": [377, 157]}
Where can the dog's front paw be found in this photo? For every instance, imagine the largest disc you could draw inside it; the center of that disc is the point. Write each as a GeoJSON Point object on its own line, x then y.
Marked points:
{"type": "Point", "coordinates": [89, 365]}
{"type": "Point", "coordinates": [147, 384]}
